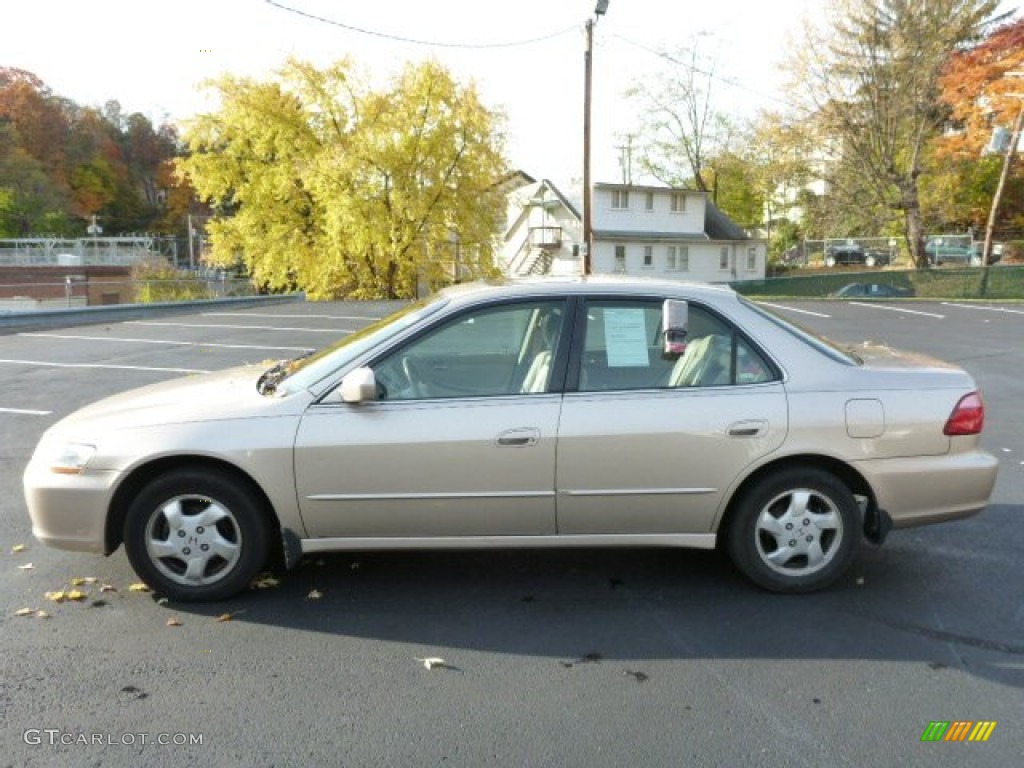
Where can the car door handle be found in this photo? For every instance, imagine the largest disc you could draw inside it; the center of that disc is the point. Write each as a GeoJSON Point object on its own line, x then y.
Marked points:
{"type": "Point", "coordinates": [519, 436]}
{"type": "Point", "coordinates": [750, 428]}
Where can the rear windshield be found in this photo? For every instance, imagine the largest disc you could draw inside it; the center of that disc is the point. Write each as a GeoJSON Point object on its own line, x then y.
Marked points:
{"type": "Point", "coordinates": [820, 343]}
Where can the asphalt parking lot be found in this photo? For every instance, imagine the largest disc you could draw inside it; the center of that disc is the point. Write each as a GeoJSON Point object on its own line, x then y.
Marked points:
{"type": "Point", "coordinates": [573, 658]}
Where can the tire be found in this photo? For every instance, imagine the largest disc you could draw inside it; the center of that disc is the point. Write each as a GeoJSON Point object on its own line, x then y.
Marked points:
{"type": "Point", "coordinates": [196, 535]}
{"type": "Point", "coordinates": [830, 261]}
{"type": "Point", "coordinates": [869, 261]}
{"type": "Point", "coordinates": [814, 508]}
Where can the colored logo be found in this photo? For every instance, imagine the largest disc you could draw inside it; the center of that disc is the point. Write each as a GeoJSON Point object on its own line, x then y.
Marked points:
{"type": "Point", "coordinates": [958, 730]}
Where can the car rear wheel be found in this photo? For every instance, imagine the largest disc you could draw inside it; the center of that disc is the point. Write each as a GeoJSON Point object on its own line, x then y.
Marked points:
{"type": "Point", "coordinates": [870, 261]}
{"type": "Point", "coordinates": [796, 531]}
{"type": "Point", "coordinates": [196, 535]}
{"type": "Point", "coordinates": [830, 261]}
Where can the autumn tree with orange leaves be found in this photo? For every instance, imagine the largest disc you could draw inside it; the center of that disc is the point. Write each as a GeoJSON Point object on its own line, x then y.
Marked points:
{"type": "Point", "coordinates": [984, 98]}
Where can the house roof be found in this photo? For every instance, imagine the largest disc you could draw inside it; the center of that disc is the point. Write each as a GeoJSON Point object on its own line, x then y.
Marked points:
{"type": "Point", "coordinates": [718, 226]}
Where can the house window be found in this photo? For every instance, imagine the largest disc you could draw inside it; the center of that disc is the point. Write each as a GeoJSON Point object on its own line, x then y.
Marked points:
{"type": "Point", "coordinates": [620, 199]}
{"type": "Point", "coordinates": [620, 258]}
{"type": "Point", "coordinates": [678, 204]}
{"type": "Point", "coordinates": [648, 255]}
{"type": "Point", "coordinates": [751, 259]}
{"type": "Point", "coordinates": [677, 258]}
{"type": "Point", "coordinates": [649, 201]}
{"type": "Point", "coordinates": [723, 258]}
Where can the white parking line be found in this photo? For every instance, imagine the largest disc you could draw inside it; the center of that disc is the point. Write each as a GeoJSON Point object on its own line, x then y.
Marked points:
{"type": "Point", "coordinates": [244, 327]}
{"type": "Point", "coordinates": [25, 411]}
{"type": "Point", "coordinates": [793, 309]}
{"type": "Point", "coordinates": [270, 314]}
{"type": "Point", "coordinates": [988, 309]}
{"type": "Point", "coordinates": [103, 366]}
{"type": "Point", "coordinates": [895, 309]}
{"type": "Point", "coordinates": [162, 341]}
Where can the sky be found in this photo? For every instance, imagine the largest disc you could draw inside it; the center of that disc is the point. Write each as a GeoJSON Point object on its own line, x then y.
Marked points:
{"type": "Point", "coordinates": [153, 56]}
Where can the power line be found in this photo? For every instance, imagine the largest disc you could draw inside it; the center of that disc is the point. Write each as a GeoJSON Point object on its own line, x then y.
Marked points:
{"type": "Point", "coordinates": [414, 41]}
{"type": "Point", "coordinates": [727, 81]}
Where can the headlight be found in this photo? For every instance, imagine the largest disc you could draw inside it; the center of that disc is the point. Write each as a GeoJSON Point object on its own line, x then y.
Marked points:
{"type": "Point", "coordinates": [71, 458]}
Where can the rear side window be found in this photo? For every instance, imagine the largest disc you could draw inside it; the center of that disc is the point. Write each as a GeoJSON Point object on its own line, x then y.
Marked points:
{"type": "Point", "coordinates": [622, 350]}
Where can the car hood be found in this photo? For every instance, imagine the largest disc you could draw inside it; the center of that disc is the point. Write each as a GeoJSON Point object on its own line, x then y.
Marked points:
{"type": "Point", "coordinates": [221, 395]}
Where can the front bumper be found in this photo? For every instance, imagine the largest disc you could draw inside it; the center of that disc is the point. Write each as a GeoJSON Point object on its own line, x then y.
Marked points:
{"type": "Point", "coordinates": [69, 511]}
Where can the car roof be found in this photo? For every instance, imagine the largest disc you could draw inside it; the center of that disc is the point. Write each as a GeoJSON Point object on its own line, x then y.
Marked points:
{"type": "Point", "coordinates": [615, 285]}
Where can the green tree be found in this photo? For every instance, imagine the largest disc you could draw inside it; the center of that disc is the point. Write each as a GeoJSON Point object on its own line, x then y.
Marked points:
{"type": "Point", "coordinates": [872, 78]}
{"type": "Point", "coordinates": [342, 190]}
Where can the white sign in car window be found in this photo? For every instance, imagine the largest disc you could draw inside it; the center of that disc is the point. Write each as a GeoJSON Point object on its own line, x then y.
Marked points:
{"type": "Point", "coordinates": [625, 338]}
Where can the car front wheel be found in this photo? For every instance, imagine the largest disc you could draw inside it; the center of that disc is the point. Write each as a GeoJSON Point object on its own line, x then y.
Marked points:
{"type": "Point", "coordinates": [196, 535]}
{"type": "Point", "coordinates": [830, 261]}
{"type": "Point", "coordinates": [870, 261]}
{"type": "Point", "coordinates": [796, 531]}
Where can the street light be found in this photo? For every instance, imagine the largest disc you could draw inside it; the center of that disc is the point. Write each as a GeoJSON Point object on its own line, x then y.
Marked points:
{"type": "Point", "coordinates": [588, 64]}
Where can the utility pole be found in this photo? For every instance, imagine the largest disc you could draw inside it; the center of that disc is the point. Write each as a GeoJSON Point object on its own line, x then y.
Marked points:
{"type": "Point", "coordinates": [1011, 150]}
{"type": "Point", "coordinates": [588, 67]}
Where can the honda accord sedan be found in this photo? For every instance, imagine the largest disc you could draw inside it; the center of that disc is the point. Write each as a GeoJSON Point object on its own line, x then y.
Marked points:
{"type": "Point", "coordinates": [551, 413]}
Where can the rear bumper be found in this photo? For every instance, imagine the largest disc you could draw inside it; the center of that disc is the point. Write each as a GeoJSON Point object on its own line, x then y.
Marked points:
{"type": "Point", "coordinates": [932, 489]}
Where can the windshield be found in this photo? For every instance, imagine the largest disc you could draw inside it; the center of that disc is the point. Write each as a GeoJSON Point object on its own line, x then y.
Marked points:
{"type": "Point", "coordinates": [304, 372]}
{"type": "Point", "coordinates": [820, 343]}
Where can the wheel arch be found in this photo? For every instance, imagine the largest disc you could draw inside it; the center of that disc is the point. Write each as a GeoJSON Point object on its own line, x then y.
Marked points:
{"type": "Point", "coordinates": [143, 474]}
{"type": "Point", "coordinates": [846, 474]}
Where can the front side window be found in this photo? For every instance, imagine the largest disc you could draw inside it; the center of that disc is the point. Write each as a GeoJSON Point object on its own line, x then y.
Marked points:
{"type": "Point", "coordinates": [505, 350]}
{"type": "Point", "coordinates": [623, 350]}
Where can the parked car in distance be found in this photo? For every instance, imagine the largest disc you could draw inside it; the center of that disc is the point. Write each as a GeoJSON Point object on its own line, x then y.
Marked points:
{"type": "Point", "coordinates": [959, 250]}
{"type": "Point", "coordinates": [546, 413]}
{"type": "Point", "coordinates": [852, 252]}
{"type": "Point", "coordinates": [873, 291]}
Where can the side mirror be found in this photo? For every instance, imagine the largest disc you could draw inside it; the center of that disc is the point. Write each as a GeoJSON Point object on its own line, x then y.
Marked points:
{"type": "Point", "coordinates": [674, 318]}
{"type": "Point", "coordinates": [359, 386]}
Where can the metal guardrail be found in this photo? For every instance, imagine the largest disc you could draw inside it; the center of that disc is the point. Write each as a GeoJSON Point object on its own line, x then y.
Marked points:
{"type": "Point", "coordinates": [55, 318]}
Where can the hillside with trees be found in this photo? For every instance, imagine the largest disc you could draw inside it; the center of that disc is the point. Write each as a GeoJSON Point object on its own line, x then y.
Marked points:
{"type": "Point", "coordinates": [62, 163]}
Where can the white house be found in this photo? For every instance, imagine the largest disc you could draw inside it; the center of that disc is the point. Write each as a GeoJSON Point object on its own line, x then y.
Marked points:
{"type": "Point", "coordinates": [544, 231]}
{"type": "Point", "coordinates": [670, 232]}
{"type": "Point", "coordinates": [638, 230]}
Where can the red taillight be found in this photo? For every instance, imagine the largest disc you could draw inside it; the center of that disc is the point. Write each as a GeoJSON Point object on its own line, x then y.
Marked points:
{"type": "Point", "coordinates": [968, 417]}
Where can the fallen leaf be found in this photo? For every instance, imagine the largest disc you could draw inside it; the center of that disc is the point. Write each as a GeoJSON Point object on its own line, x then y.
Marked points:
{"type": "Point", "coordinates": [224, 617]}
{"type": "Point", "coordinates": [26, 567]}
{"type": "Point", "coordinates": [42, 615]}
{"type": "Point", "coordinates": [314, 594]}
{"type": "Point", "coordinates": [354, 566]}
{"type": "Point", "coordinates": [18, 548]}
{"type": "Point", "coordinates": [264, 581]}
{"type": "Point", "coordinates": [140, 587]}
{"type": "Point", "coordinates": [108, 588]}
{"type": "Point", "coordinates": [173, 622]}
{"type": "Point", "coordinates": [24, 612]}
{"type": "Point", "coordinates": [57, 597]}
{"type": "Point", "coordinates": [80, 580]}
{"type": "Point", "coordinates": [75, 594]}
{"type": "Point", "coordinates": [162, 601]}
{"type": "Point", "coordinates": [432, 662]}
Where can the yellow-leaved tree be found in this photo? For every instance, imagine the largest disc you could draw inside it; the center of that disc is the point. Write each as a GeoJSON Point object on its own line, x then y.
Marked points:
{"type": "Point", "coordinates": [335, 188]}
